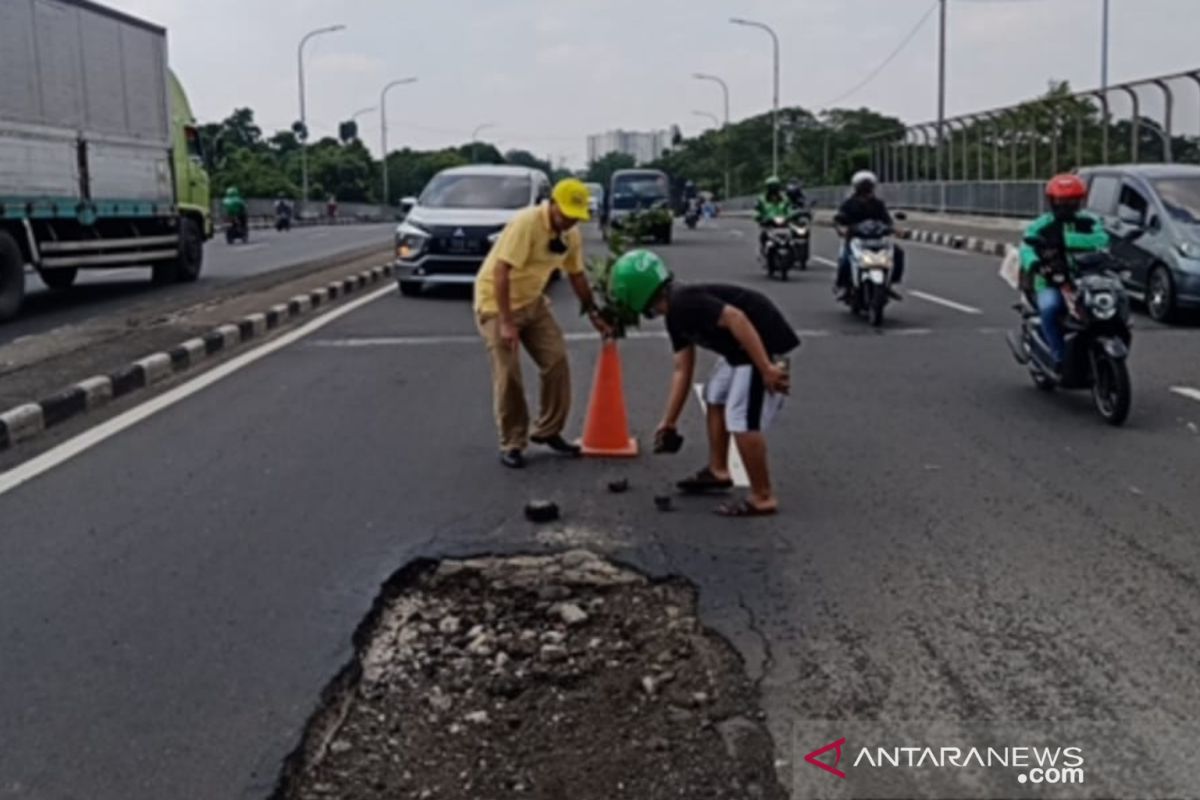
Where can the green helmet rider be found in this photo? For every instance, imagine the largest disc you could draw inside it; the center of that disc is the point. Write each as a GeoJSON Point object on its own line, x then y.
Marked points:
{"type": "Point", "coordinates": [636, 279]}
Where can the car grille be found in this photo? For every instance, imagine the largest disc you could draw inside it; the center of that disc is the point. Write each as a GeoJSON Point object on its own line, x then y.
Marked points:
{"type": "Point", "coordinates": [461, 240]}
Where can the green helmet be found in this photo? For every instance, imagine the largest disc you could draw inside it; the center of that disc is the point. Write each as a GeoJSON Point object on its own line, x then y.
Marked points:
{"type": "Point", "coordinates": [232, 192]}
{"type": "Point", "coordinates": [774, 184]}
{"type": "Point", "coordinates": [636, 277]}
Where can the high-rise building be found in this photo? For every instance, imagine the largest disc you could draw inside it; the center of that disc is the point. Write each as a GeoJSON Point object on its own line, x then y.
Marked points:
{"type": "Point", "coordinates": [644, 146]}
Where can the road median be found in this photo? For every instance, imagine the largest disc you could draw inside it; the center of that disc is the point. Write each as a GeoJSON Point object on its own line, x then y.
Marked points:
{"type": "Point", "coordinates": [56, 377]}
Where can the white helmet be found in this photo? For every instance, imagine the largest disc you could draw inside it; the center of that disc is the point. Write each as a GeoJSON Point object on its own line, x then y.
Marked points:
{"type": "Point", "coordinates": [863, 176]}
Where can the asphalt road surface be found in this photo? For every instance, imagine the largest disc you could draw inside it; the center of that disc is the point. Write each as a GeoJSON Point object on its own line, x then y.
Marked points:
{"type": "Point", "coordinates": [954, 544]}
{"type": "Point", "coordinates": [109, 291]}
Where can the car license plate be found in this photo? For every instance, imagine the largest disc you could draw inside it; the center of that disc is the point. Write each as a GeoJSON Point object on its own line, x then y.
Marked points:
{"type": "Point", "coordinates": [460, 246]}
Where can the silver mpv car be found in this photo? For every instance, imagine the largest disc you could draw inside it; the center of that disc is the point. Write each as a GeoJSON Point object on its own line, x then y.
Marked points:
{"type": "Point", "coordinates": [1164, 200]}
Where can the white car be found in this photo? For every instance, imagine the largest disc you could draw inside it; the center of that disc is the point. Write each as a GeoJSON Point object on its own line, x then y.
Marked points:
{"type": "Point", "coordinates": [450, 228]}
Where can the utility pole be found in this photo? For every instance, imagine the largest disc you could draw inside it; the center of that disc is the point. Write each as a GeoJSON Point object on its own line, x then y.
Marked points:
{"type": "Point", "coordinates": [1104, 69]}
{"type": "Point", "coordinates": [941, 123]}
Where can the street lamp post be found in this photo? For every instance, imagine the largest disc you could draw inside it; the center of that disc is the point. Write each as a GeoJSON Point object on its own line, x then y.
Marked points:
{"type": "Point", "coordinates": [475, 139]}
{"type": "Point", "coordinates": [304, 111]}
{"type": "Point", "coordinates": [775, 99]}
{"type": "Point", "coordinates": [383, 132]}
{"type": "Point", "coordinates": [700, 76]}
{"type": "Point", "coordinates": [1104, 72]}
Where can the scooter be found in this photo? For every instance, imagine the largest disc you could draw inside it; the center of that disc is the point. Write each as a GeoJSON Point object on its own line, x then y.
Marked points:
{"type": "Point", "coordinates": [1096, 327]}
{"type": "Point", "coordinates": [872, 261]}
{"type": "Point", "coordinates": [236, 229]}
{"type": "Point", "coordinates": [779, 251]}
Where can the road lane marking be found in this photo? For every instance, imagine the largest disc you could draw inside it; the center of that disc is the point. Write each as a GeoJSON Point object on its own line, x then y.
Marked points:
{"type": "Point", "coordinates": [941, 301]}
{"type": "Point", "coordinates": [824, 262]}
{"type": "Point", "coordinates": [737, 470]}
{"type": "Point", "coordinates": [1187, 391]}
{"type": "Point", "coordinates": [246, 248]}
{"type": "Point", "coordinates": [472, 339]}
{"type": "Point", "coordinates": [106, 430]}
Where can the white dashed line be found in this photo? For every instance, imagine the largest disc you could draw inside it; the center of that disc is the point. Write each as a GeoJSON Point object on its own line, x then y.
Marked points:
{"type": "Point", "coordinates": [941, 301]}
{"type": "Point", "coordinates": [1187, 391]}
{"type": "Point", "coordinates": [737, 470]}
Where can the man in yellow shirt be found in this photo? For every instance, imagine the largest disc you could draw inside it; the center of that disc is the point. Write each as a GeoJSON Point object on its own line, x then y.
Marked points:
{"type": "Point", "coordinates": [511, 308]}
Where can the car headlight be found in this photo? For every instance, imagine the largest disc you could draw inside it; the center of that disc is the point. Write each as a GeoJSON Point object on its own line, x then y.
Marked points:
{"type": "Point", "coordinates": [1189, 249]}
{"type": "Point", "coordinates": [410, 240]}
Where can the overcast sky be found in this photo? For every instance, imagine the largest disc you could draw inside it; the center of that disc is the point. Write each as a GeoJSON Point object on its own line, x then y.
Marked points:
{"type": "Point", "coordinates": [548, 72]}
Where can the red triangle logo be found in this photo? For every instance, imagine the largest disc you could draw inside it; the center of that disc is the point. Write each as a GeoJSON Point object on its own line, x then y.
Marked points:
{"type": "Point", "coordinates": [812, 758]}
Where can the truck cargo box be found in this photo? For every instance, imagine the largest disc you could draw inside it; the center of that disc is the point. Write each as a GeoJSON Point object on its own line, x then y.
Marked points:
{"type": "Point", "coordinates": [84, 105]}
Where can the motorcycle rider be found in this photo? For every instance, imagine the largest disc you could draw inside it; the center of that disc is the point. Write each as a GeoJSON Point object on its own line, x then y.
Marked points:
{"type": "Point", "coordinates": [1065, 229]}
{"type": "Point", "coordinates": [862, 205]}
{"type": "Point", "coordinates": [283, 212]}
{"type": "Point", "coordinates": [235, 207]}
{"type": "Point", "coordinates": [795, 194]}
{"type": "Point", "coordinates": [772, 204]}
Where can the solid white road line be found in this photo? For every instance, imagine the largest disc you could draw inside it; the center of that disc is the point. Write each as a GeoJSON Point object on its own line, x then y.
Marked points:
{"type": "Point", "coordinates": [825, 262]}
{"type": "Point", "coordinates": [941, 301]}
{"type": "Point", "coordinates": [1187, 391]}
{"type": "Point", "coordinates": [106, 430]}
{"type": "Point", "coordinates": [737, 470]}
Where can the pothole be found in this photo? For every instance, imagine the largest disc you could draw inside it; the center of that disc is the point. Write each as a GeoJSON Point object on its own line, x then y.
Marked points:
{"type": "Point", "coordinates": [560, 676]}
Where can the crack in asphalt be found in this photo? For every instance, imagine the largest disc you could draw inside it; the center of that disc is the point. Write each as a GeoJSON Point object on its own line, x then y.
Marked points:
{"type": "Point", "coordinates": [768, 660]}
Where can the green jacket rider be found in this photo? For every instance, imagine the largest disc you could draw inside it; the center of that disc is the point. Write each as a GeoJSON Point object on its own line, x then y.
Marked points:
{"type": "Point", "coordinates": [1070, 230]}
{"type": "Point", "coordinates": [234, 205]}
{"type": "Point", "coordinates": [772, 203]}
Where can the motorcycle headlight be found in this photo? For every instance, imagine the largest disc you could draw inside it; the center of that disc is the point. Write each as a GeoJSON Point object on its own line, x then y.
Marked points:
{"type": "Point", "coordinates": [801, 230]}
{"type": "Point", "coordinates": [876, 259]}
{"type": "Point", "coordinates": [410, 241]}
{"type": "Point", "coordinates": [1103, 305]}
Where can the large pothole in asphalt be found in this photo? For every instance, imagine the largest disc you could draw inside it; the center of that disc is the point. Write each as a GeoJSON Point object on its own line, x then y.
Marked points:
{"type": "Point", "coordinates": [546, 677]}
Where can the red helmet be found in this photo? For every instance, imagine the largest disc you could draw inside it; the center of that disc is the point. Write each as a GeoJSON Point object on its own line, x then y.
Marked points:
{"type": "Point", "coordinates": [1066, 189]}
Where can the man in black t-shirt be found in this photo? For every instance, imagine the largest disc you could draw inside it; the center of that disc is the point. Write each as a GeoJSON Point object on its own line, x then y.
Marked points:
{"type": "Point", "coordinates": [748, 385]}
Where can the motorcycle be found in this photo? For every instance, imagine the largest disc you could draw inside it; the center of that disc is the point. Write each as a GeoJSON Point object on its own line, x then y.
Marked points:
{"type": "Point", "coordinates": [872, 260]}
{"type": "Point", "coordinates": [691, 216]}
{"type": "Point", "coordinates": [236, 229]}
{"type": "Point", "coordinates": [1097, 330]}
{"type": "Point", "coordinates": [283, 221]}
{"type": "Point", "coordinates": [787, 245]}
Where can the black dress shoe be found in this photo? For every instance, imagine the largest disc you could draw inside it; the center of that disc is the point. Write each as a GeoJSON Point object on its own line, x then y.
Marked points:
{"type": "Point", "coordinates": [558, 444]}
{"type": "Point", "coordinates": [513, 459]}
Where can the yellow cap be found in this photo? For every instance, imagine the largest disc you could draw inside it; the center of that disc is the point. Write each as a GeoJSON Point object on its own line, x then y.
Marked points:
{"type": "Point", "coordinates": [571, 197]}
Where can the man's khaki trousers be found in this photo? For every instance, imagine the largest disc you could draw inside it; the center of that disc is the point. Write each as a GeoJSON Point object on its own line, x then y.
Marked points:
{"type": "Point", "coordinates": [543, 340]}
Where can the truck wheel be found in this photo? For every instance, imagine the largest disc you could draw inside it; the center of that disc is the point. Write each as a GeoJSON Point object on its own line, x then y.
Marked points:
{"type": "Point", "coordinates": [59, 279]}
{"type": "Point", "coordinates": [12, 277]}
{"type": "Point", "coordinates": [185, 268]}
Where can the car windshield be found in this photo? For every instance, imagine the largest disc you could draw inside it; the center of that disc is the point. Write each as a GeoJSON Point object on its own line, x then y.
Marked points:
{"type": "Point", "coordinates": [477, 191]}
{"type": "Point", "coordinates": [639, 191]}
{"type": "Point", "coordinates": [1181, 198]}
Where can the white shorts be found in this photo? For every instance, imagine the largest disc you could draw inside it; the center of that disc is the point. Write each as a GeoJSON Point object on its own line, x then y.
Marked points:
{"type": "Point", "coordinates": [748, 405]}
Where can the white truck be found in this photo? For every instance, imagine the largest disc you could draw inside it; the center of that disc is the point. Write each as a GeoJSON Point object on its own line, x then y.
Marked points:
{"type": "Point", "coordinates": [100, 160]}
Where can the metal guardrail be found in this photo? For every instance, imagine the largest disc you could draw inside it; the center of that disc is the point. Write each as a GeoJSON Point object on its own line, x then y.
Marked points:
{"type": "Point", "coordinates": [259, 208]}
{"type": "Point", "coordinates": [1019, 199]}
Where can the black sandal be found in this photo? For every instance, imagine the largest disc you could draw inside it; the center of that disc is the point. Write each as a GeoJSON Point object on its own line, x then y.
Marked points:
{"type": "Point", "coordinates": [743, 508]}
{"type": "Point", "coordinates": [704, 481]}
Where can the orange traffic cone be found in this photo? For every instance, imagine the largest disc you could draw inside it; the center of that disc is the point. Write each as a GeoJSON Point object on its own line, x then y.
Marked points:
{"type": "Point", "coordinates": [606, 432]}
